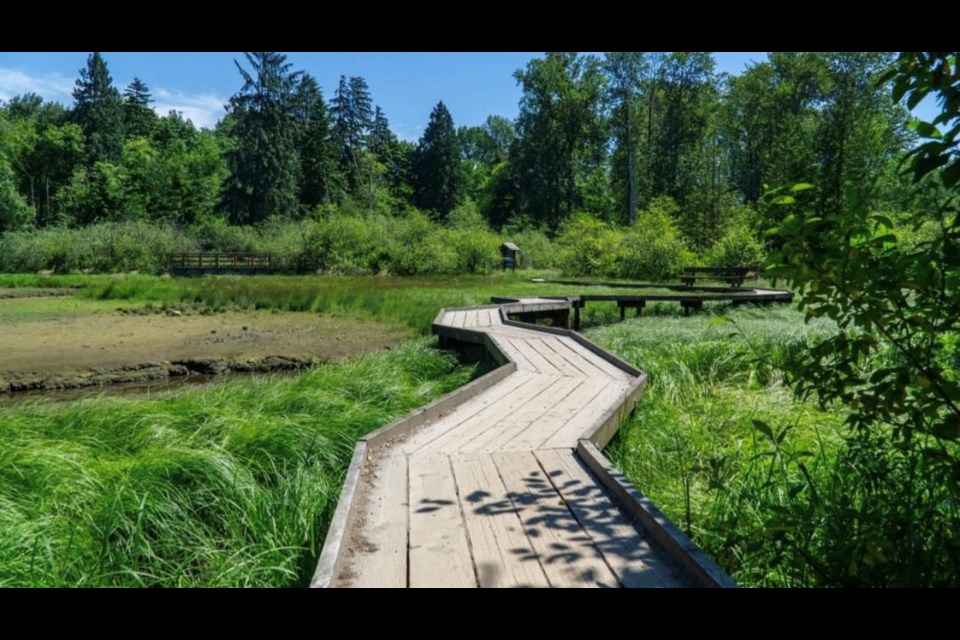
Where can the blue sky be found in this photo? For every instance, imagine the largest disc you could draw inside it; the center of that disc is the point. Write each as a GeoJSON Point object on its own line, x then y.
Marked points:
{"type": "Point", "coordinates": [405, 85]}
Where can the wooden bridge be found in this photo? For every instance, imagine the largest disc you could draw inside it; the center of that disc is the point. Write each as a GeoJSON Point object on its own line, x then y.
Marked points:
{"type": "Point", "coordinates": [502, 483]}
{"type": "Point", "coordinates": [197, 264]}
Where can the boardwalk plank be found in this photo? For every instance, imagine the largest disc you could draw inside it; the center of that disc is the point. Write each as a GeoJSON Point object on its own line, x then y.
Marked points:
{"type": "Point", "coordinates": [568, 556]}
{"type": "Point", "coordinates": [439, 552]}
{"type": "Point", "coordinates": [502, 553]}
{"type": "Point", "coordinates": [381, 556]}
{"type": "Point", "coordinates": [626, 552]}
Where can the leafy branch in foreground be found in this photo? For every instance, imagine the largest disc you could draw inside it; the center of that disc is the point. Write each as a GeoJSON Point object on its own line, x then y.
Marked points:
{"type": "Point", "coordinates": [893, 363]}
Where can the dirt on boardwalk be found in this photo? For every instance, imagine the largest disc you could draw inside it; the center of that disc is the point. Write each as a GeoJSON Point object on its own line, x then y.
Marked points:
{"type": "Point", "coordinates": [113, 347]}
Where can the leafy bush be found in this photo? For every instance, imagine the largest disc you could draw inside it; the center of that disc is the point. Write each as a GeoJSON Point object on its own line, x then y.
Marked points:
{"type": "Point", "coordinates": [739, 247]}
{"type": "Point", "coordinates": [418, 247]}
{"type": "Point", "coordinates": [105, 247]}
{"type": "Point", "coordinates": [585, 246]}
{"type": "Point", "coordinates": [329, 242]}
{"type": "Point", "coordinates": [652, 249]}
{"type": "Point", "coordinates": [214, 234]}
{"type": "Point", "coordinates": [477, 250]}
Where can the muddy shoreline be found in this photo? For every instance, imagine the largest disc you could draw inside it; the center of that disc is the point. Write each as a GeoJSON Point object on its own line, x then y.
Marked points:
{"type": "Point", "coordinates": [37, 292]}
{"type": "Point", "coordinates": [157, 371]}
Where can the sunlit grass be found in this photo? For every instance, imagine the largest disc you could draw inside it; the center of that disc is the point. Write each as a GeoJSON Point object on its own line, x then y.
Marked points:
{"type": "Point", "coordinates": [230, 485]}
{"type": "Point", "coordinates": [692, 445]}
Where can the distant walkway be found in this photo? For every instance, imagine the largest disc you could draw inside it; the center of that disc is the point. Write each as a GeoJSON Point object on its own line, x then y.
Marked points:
{"type": "Point", "coordinates": [502, 483]}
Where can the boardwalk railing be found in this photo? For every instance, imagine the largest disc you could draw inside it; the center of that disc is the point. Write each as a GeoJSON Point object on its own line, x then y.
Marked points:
{"type": "Point", "coordinates": [239, 262]}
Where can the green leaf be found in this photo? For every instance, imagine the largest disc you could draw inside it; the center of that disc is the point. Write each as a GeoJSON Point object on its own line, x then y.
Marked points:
{"type": "Point", "coordinates": [763, 428]}
{"type": "Point", "coordinates": [925, 129]}
{"type": "Point", "coordinates": [949, 429]}
{"type": "Point", "coordinates": [801, 186]}
{"type": "Point", "coordinates": [951, 175]}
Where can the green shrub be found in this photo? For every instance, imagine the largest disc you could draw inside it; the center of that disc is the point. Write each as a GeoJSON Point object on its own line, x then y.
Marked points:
{"type": "Point", "coordinates": [739, 247]}
{"type": "Point", "coordinates": [215, 234]}
{"type": "Point", "coordinates": [652, 249]}
{"type": "Point", "coordinates": [419, 248]}
{"type": "Point", "coordinates": [466, 215]}
{"type": "Point", "coordinates": [104, 247]}
{"type": "Point", "coordinates": [585, 246]}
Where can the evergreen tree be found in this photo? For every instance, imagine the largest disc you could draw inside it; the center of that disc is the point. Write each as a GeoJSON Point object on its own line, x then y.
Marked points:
{"type": "Point", "coordinates": [352, 110]}
{"type": "Point", "coordinates": [381, 138]}
{"type": "Point", "coordinates": [321, 179]}
{"type": "Point", "coordinates": [98, 109]}
{"type": "Point", "coordinates": [438, 179]}
{"type": "Point", "coordinates": [138, 118]}
{"type": "Point", "coordinates": [393, 154]}
{"type": "Point", "coordinates": [264, 167]}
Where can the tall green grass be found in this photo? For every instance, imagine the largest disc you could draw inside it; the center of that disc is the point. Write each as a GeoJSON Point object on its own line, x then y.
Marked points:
{"type": "Point", "coordinates": [779, 491]}
{"type": "Point", "coordinates": [695, 444]}
{"type": "Point", "coordinates": [231, 485]}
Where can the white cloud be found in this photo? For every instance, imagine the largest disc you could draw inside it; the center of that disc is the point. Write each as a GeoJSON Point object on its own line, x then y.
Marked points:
{"type": "Point", "coordinates": [403, 132]}
{"type": "Point", "coordinates": [50, 86]}
{"type": "Point", "coordinates": [204, 109]}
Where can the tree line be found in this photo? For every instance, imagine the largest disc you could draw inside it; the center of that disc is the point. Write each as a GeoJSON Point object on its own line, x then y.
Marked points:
{"type": "Point", "coordinates": [607, 136]}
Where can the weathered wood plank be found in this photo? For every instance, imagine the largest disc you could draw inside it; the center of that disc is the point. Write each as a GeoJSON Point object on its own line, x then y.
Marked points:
{"type": "Point", "coordinates": [626, 552]}
{"type": "Point", "coordinates": [610, 369]}
{"type": "Point", "coordinates": [333, 546]}
{"type": "Point", "coordinates": [493, 397]}
{"type": "Point", "coordinates": [483, 421]}
{"type": "Point", "coordinates": [586, 361]}
{"type": "Point", "coordinates": [470, 321]}
{"type": "Point", "coordinates": [502, 554]}
{"type": "Point", "coordinates": [442, 406]}
{"type": "Point", "coordinates": [541, 363]}
{"type": "Point", "coordinates": [566, 553]}
{"type": "Point", "coordinates": [523, 364]}
{"type": "Point", "coordinates": [531, 416]}
{"type": "Point", "coordinates": [559, 415]}
{"type": "Point", "coordinates": [439, 551]}
{"type": "Point", "coordinates": [551, 356]}
{"type": "Point", "coordinates": [378, 557]}
{"type": "Point", "coordinates": [575, 428]}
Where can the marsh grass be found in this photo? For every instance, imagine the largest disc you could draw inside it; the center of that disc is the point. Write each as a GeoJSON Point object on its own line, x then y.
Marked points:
{"type": "Point", "coordinates": [230, 485]}
{"type": "Point", "coordinates": [715, 440]}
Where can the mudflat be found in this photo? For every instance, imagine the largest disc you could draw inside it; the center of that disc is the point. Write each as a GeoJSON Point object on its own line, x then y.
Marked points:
{"type": "Point", "coordinates": [61, 351]}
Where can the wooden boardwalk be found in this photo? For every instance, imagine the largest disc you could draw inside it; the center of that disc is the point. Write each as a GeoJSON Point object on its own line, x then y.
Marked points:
{"type": "Point", "coordinates": [502, 483]}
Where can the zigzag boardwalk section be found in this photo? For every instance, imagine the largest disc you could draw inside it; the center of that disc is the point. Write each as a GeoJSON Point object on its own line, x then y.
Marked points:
{"type": "Point", "coordinates": [502, 483]}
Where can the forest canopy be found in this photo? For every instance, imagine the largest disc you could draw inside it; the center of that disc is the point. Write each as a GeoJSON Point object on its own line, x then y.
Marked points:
{"type": "Point", "coordinates": [627, 148]}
